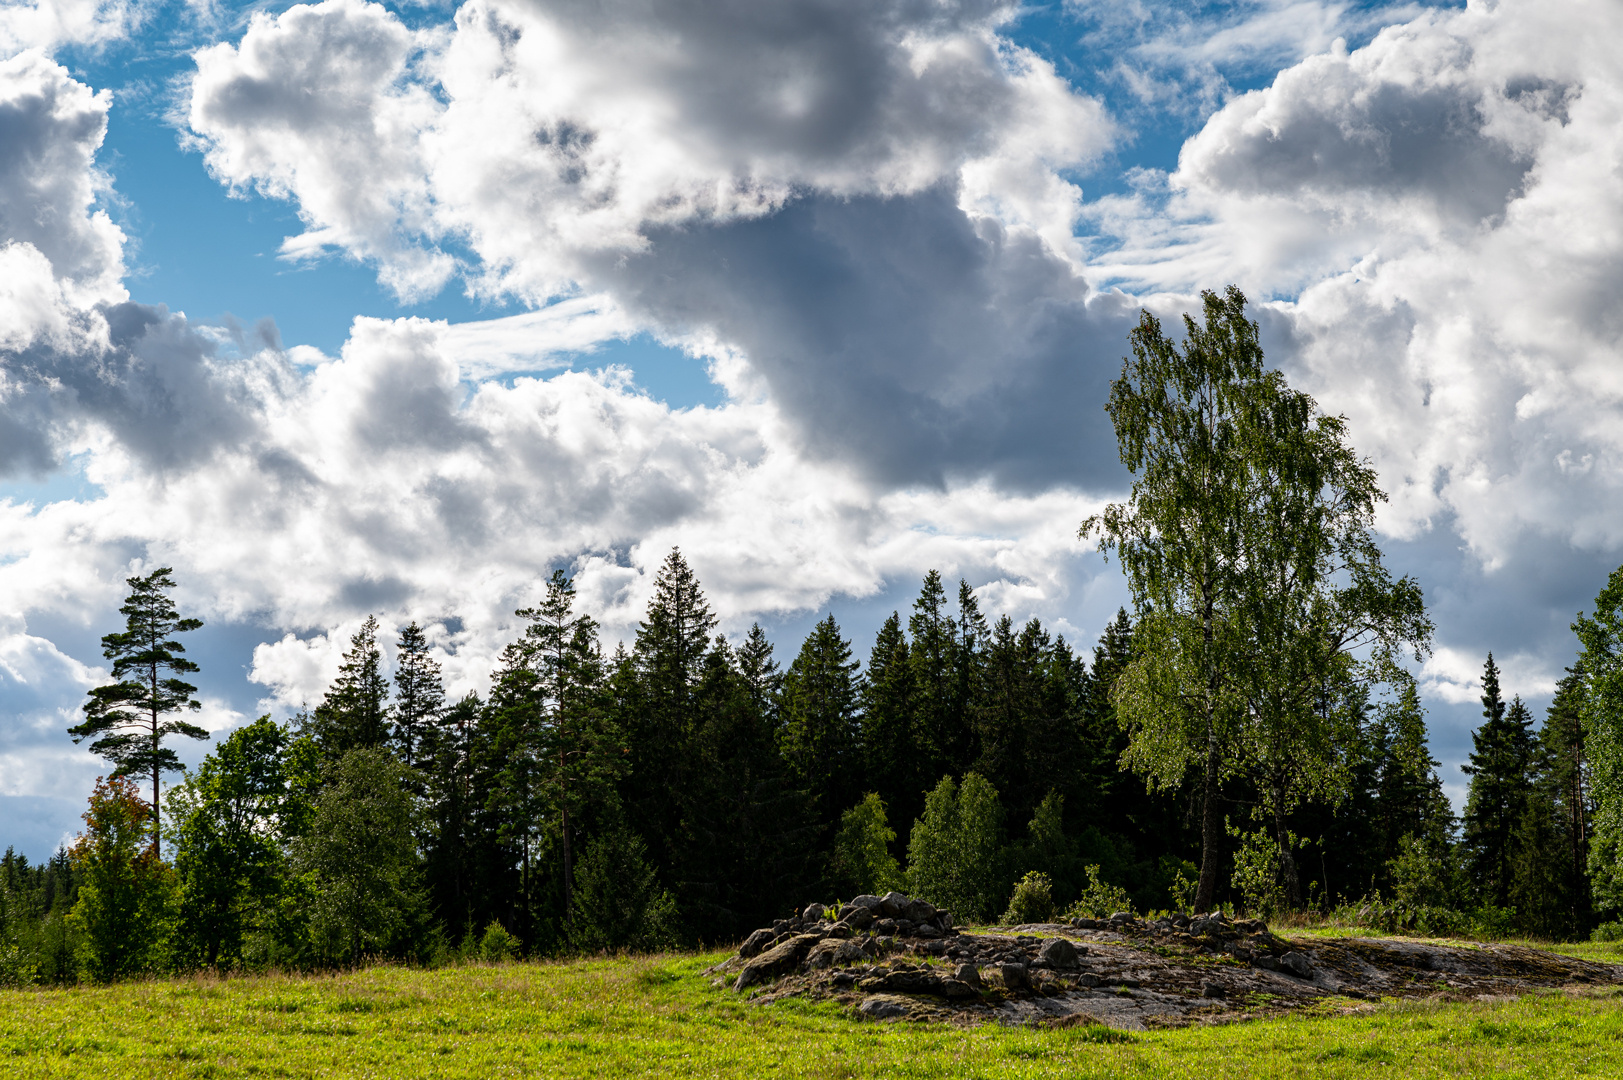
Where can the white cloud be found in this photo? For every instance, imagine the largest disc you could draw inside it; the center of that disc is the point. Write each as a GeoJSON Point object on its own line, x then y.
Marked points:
{"type": "Point", "coordinates": [50, 24]}
{"type": "Point", "coordinates": [570, 131]}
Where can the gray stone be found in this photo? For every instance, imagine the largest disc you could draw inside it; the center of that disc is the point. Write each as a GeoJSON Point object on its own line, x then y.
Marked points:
{"type": "Point", "coordinates": [856, 916]}
{"type": "Point", "coordinates": [1007, 976]}
{"type": "Point", "coordinates": [1058, 953]}
{"type": "Point", "coordinates": [866, 900]}
{"type": "Point", "coordinates": [968, 974]}
{"type": "Point", "coordinates": [1121, 916]}
{"type": "Point", "coordinates": [893, 904]}
{"type": "Point", "coordinates": [884, 1007]}
{"type": "Point", "coordinates": [813, 912]}
{"type": "Point", "coordinates": [1296, 964]}
{"type": "Point", "coordinates": [778, 960]}
{"type": "Point", "coordinates": [920, 911]}
{"type": "Point", "coordinates": [755, 943]}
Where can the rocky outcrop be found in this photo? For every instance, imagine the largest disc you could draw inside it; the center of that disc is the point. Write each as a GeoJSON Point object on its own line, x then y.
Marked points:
{"type": "Point", "coordinates": [894, 957]}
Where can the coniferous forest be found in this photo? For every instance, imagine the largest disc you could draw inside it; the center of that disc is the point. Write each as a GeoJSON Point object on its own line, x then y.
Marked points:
{"type": "Point", "coordinates": [1248, 736]}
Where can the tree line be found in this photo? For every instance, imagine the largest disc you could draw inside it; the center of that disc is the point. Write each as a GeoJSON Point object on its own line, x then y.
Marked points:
{"type": "Point", "coordinates": [1248, 735]}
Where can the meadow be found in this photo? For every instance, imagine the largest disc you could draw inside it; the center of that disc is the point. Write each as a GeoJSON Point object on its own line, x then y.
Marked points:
{"type": "Point", "coordinates": [657, 1016]}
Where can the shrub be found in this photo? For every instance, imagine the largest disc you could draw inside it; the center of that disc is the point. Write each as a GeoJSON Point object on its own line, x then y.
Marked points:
{"type": "Point", "coordinates": [1032, 902]}
{"type": "Point", "coordinates": [1099, 899]}
{"type": "Point", "coordinates": [496, 945]}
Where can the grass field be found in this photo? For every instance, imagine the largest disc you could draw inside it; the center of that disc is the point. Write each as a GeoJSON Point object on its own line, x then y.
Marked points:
{"type": "Point", "coordinates": [655, 1016]}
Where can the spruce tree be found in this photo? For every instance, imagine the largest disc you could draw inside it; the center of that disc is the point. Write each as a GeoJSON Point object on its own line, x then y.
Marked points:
{"type": "Point", "coordinates": [662, 719]}
{"type": "Point", "coordinates": [419, 693]}
{"type": "Point", "coordinates": [1500, 783]}
{"type": "Point", "coordinates": [819, 740]}
{"type": "Point", "coordinates": [891, 758]}
{"type": "Point", "coordinates": [127, 718]}
{"type": "Point", "coordinates": [355, 711]}
{"type": "Point", "coordinates": [1567, 776]}
{"type": "Point", "coordinates": [933, 654]}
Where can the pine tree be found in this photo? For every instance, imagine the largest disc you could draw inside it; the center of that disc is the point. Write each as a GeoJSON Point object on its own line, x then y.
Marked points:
{"type": "Point", "coordinates": [419, 694]}
{"type": "Point", "coordinates": [355, 711]}
{"type": "Point", "coordinates": [1500, 783]}
{"type": "Point", "coordinates": [126, 718]}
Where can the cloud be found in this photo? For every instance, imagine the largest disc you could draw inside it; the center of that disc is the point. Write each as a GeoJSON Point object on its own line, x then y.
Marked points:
{"type": "Point", "coordinates": [1436, 209]}
{"type": "Point", "coordinates": [49, 24]}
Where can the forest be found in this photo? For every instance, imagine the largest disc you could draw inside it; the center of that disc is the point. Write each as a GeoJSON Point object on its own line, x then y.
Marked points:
{"type": "Point", "coordinates": [1248, 736]}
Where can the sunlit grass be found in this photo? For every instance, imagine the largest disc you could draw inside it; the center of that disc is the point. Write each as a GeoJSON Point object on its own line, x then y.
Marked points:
{"type": "Point", "coordinates": [656, 1016]}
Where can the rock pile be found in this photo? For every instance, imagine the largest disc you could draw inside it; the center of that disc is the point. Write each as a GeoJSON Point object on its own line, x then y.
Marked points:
{"type": "Point", "coordinates": [895, 957]}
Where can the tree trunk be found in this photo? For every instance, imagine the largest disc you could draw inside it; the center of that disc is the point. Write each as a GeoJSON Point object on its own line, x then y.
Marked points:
{"type": "Point", "coordinates": [569, 864]}
{"type": "Point", "coordinates": [1211, 831]}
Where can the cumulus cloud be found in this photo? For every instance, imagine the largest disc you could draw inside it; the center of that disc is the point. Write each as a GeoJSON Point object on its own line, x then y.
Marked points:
{"type": "Point", "coordinates": [380, 481]}
{"type": "Point", "coordinates": [1439, 209]}
{"type": "Point", "coordinates": [49, 24]}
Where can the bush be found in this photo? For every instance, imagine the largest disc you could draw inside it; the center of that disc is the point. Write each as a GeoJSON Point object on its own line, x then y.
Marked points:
{"type": "Point", "coordinates": [862, 859]}
{"type": "Point", "coordinates": [1607, 931]}
{"type": "Point", "coordinates": [496, 945]}
{"type": "Point", "coordinates": [1099, 900]}
{"type": "Point", "coordinates": [1032, 902]}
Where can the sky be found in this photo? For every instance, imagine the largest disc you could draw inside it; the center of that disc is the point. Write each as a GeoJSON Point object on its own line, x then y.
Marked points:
{"type": "Point", "coordinates": [347, 309]}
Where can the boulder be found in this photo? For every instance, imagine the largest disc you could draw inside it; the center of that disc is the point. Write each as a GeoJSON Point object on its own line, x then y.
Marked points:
{"type": "Point", "coordinates": [778, 960]}
{"type": "Point", "coordinates": [866, 900]}
{"type": "Point", "coordinates": [1297, 964]}
{"type": "Point", "coordinates": [884, 1007]}
{"type": "Point", "coordinates": [813, 912]}
{"type": "Point", "coordinates": [755, 943]}
{"type": "Point", "coordinates": [1058, 953]}
{"type": "Point", "coordinates": [968, 974]}
{"type": "Point", "coordinates": [919, 911]}
{"type": "Point", "coordinates": [832, 952]}
{"type": "Point", "coordinates": [893, 903]}
{"type": "Point", "coordinates": [1004, 976]}
{"type": "Point", "coordinates": [856, 917]}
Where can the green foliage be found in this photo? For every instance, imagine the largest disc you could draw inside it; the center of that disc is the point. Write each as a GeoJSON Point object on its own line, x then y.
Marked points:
{"type": "Point", "coordinates": [497, 946]}
{"type": "Point", "coordinates": [1256, 871]}
{"type": "Point", "coordinates": [359, 861]}
{"type": "Point", "coordinates": [619, 904]}
{"type": "Point", "coordinates": [419, 694]}
{"type": "Point", "coordinates": [1248, 547]}
{"type": "Point", "coordinates": [1501, 781]}
{"type": "Point", "coordinates": [819, 717]}
{"type": "Point", "coordinates": [126, 717]}
{"type": "Point", "coordinates": [862, 859]}
{"type": "Point", "coordinates": [124, 914]}
{"type": "Point", "coordinates": [355, 711]}
{"type": "Point", "coordinates": [1600, 660]}
{"type": "Point", "coordinates": [1032, 902]}
{"type": "Point", "coordinates": [1099, 899]}
{"type": "Point", "coordinates": [1422, 873]}
{"type": "Point", "coordinates": [954, 853]}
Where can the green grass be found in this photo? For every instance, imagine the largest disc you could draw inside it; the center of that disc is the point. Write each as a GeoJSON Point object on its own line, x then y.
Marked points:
{"type": "Point", "coordinates": [656, 1017]}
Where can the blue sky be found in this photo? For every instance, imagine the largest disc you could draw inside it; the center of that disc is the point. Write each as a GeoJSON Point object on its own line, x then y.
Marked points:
{"type": "Point", "coordinates": [823, 338]}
